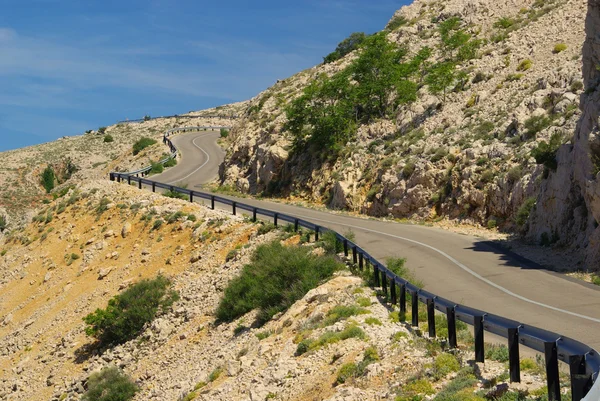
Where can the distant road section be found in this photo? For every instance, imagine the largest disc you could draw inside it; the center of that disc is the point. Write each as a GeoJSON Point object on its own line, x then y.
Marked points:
{"type": "Point", "coordinates": [463, 268]}
{"type": "Point", "coordinates": [199, 161]}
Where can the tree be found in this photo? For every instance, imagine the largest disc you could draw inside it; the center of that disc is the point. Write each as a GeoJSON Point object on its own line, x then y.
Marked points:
{"type": "Point", "coordinates": [440, 77]}
{"type": "Point", "coordinates": [48, 179]}
{"type": "Point", "coordinates": [345, 47]}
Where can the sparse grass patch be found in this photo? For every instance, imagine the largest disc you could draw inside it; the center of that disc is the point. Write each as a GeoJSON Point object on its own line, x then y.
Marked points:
{"type": "Point", "coordinates": [364, 302]}
{"type": "Point", "coordinates": [215, 374]}
{"type": "Point", "coordinates": [445, 364]}
{"type": "Point", "coordinates": [329, 337]}
{"type": "Point", "coordinates": [276, 277]}
{"type": "Point", "coordinates": [373, 321]}
{"type": "Point", "coordinates": [342, 312]}
{"type": "Point", "coordinates": [525, 65]}
{"type": "Point", "coordinates": [496, 352]}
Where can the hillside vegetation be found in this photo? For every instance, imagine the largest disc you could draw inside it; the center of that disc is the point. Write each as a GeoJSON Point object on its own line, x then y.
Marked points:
{"type": "Point", "coordinates": [455, 110]}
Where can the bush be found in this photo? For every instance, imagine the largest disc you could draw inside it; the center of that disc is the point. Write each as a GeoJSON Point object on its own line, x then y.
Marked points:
{"type": "Point", "coordinates": [545, 153]}
{"type": "Point", "coordinates": [142, 144]}
{"type": "Point", "coordinates": [559, 47]}
{"type": "Point", "coordinates": [147, 118]}
{"type": "Point", "coordinates": [128, 312]}
{"type": "Point", "coordinates": [157, 168]}
{"type": "Point", "coordinates": [524, 211]}
{"type": "Point", "coordinates": [345, 47]}
{"type": "Point", "coordinates": [504, 23]}
{"type": "Point", "coordinates": [346, 372]}
{"type": "Point", "coordinates": [102, 130]}
{"type": "Point", "coordinates": [224, 133]}
{"type": "Point", "coordinates": [445, 364]}
{"type": "Point", "coordinates": [524, 65]}
{"type": "Point", "coordinates": [396, 23]}
{"type": "Point", "coordinates": [496, 352]}
{"type": "Point", "coordinates": [110, 384]}
{"type": "Point", "coordinates": [172, 162]}
{"type": "Point", "coordinates": [108, 138]}
{"type": "Point", "coordinates": [576, 86]}
{"type": "Point", "coordinates": [276, 277]}
{"type": "Point", "coordinates": [536, 124]}
{"type": "Point", "coordinates": [174, 195]}
{"type": "Point", "coordinates": [48, 179]}
{"type": "Point", "coordinates": [3, 223]}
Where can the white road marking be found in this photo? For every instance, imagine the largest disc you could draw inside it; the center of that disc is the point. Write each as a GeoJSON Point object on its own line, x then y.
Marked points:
{"type": "Point", "coordinates": [468, 270]}
{"type": "Point", "coordinates": [195, 171]}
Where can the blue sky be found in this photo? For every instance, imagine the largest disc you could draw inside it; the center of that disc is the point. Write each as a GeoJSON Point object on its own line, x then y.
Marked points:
{"type": "Point", "coordinates": [71, 65]}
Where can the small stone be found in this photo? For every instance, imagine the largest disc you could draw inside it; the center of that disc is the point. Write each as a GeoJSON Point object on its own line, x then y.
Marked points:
{"type": "Point", "coordinates": [126, 230]}
{"type": "Point", "coordinates": [104, 272]}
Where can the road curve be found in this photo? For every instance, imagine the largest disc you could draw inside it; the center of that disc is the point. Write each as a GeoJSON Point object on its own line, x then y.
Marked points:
{"type": "Point", "coordinates": [463, 268]}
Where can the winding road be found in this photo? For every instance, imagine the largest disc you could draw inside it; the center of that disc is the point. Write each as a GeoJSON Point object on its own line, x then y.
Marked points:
{"type": "Point", "coordinates": [463, 268]}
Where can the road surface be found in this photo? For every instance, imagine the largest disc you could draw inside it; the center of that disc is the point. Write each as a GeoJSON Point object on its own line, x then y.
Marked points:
{"type": "Point", "coordinates": [465, 269]}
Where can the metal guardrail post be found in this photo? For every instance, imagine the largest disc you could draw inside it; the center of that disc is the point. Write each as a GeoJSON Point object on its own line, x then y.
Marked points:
{"type": "Point", "coordinates": [296, 225]}
{"type": "Point", "coordinates": [360, 260]}
{"type": "Point", "coordinates": [191, 196]}
{"type": "Point", "coordinates": [112, 177]}
{"type": "Point", "coordinates": [153, 186]}
{"type": "Point", "coordinates": [212, 202]}
{"type": "Point", "coordinates": [403, 299]}
{"type": "Point", "coordinates": [376, 276]}
{"type": "Point", "coordinates": [233, 208]}
{"type": "Point", "coordinates": [581, 382]}
{"type": "Point", "coordinates": [345, 247]}
{"type": "Point", "coordinates": [514, 364]}
{"type": "Point", "coordinates": [451, 318]}
{"type": "Point", "coordinates": [140, 183]}
{"type": "Point", "coordinates": [128, 180]}
{"type": "Point", "coordinates": [431, 317]}
{"type": "Point", "coordinates": [393, 296]}
{"type": "Point", "coordinates": [551, 353]}
{"type": "Point", "coordinates": [354, 255]}
{"type": "Point", "coordinates": [384, 284]}
{"type": "Point", "coordinates": [275, 216]}
{"type": "Point", "coordinates": [415, 308]}
{"type": "Point", "coordinates": [317, 229]}
{"type": "Point", "coordinates": [254, 215]}
{"type": "Point", "coordinates": [479, 346]}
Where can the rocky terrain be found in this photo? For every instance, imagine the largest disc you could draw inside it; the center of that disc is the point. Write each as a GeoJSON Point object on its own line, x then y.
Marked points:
{"type": "Point", "coordinates": [86, 157]}
{"type": "Point", "coordinates": [491, 149]}
{"type": "Point", "coordinates": [100, 238]}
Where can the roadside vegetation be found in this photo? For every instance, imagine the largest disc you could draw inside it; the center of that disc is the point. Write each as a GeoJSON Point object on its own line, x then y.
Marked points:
{"type": "Point", "coordinates": [276, 277]}
{"type": "Point", "coordinates": [110, 384]}
{"type": "Point", "coordinates": [142, 144]}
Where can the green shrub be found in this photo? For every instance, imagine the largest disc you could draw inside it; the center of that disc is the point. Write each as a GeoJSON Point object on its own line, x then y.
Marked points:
{"type": "Point", "coordinates": [409, 169]}
{"type": "Point", "coordinates": [595, 277]}
{"type": "Point", "coordinates": [514, 174]}
{"type": "Point", "coordinates": [342, 312]}
{"type": "Point", "coordinates": [3, 223]}
{"type": "Point", "coordinates": [445, 364]}
{"type": "Point", "coordinates": [345, 47]}
{"type": "Point", "coordinates": [496, 352]}
{"type": "Point", "coordinates": [157, 168]}
{"type": "Point", "coordinates": [174, 195]}
{"type": "Point", "coordinates": [545, 152]}
{"type": "Point", "coordinates": [536, 124]}
{"type": "Point", "coordinates": [576, 86]}
{"type": "Point", "coordinates": [524, 211]}
{"type": "Point", "coordinates": [524, 65]}
{"type": "Point", "coordinates": [108, 138]}
{"type": "Point", "coordinates": [157, 224]}
{"type": "Point", "coordinates": [101, 130]}
{"type": "Point", "coordinates": [215, 374]}
{"type": "Point", "coordinates": [364, 302]}
{"type": "Point", "coordinates": [373, 321]}
{"type": "Point", "coordinates": [48, 179]}
{"type": "Point", "coordinates": [224, 133]}
{"type": "Point", "coordinates": [397, 266]}
{"type": "Point", "coordinates": [396, 23]}
{"type": "Point", "coordinates": [504, 23]}
{"type": "Point", "coordinates": [276, 277]}
{"type": "Point", "coordinates": [513, 77]}
{"type": "Point", "coordinates": [128, 312]}
{"type": "Point", "coordinates": [172, 162]}
{"type": "Point", "coordinates": [417, 387]}
{"type": "Point", "coordinates": [142, 144]}
{"type": "Point", "coordinates": [559, 47]}
{"type": "Point", "coordinates": [110, 384]}
{"type": "Point", "coordinates": [346, 372]}
{"type": "Point", "coordinates": [492, 223]}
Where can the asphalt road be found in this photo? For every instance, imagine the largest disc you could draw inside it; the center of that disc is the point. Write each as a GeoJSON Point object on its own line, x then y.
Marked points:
{"type": "Point", "coordinates": [465, 269]}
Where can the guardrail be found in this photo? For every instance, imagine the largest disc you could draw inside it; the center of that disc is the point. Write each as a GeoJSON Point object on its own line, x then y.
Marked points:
{"type": "Point", "coordinates": [583, 361]}
{"type": "Point", "coordinates": [141, 120]}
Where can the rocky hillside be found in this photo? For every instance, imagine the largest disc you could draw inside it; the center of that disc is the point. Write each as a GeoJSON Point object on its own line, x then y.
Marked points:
{"type": "Point", "coordinates": [86, 157]}
{"type": "Point", "coordinates": [475, 122]}
{"type": "Point", "coordinates": [339, 342]}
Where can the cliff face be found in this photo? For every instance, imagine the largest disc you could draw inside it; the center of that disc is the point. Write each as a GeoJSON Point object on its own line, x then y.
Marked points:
{"type": "Point", "coordinates": [498, 143]}
{"type": "Point", "coordinates": [569, 201]}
